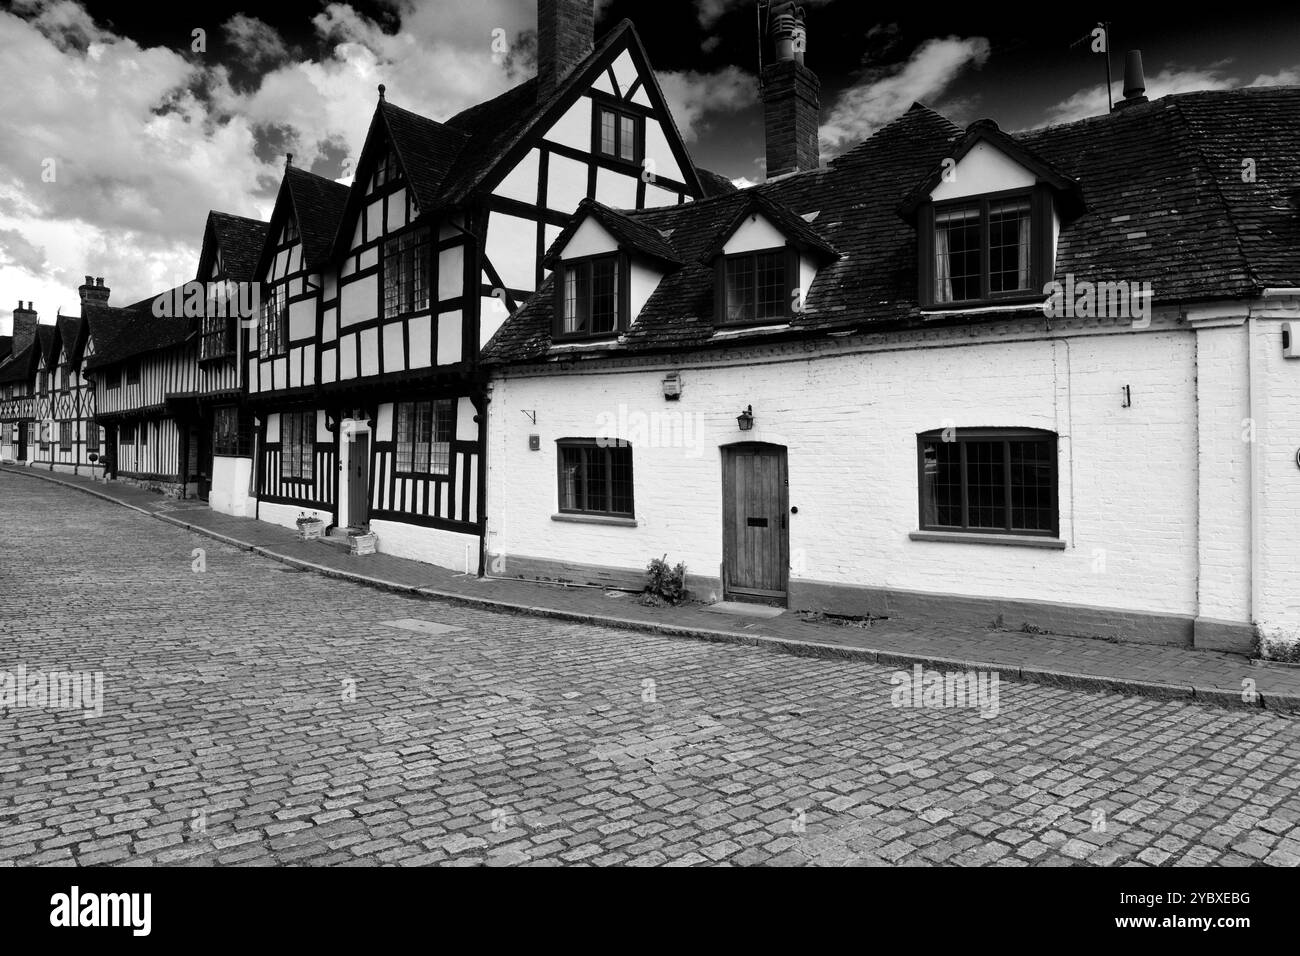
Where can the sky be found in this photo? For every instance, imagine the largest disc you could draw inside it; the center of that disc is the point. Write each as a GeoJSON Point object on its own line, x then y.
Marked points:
{"type": "Point", "coordinates": [122, 124]}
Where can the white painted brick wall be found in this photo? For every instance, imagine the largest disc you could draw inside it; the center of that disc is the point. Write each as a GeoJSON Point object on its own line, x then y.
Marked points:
{"type": "Point", "coordinates": [1127, 476]}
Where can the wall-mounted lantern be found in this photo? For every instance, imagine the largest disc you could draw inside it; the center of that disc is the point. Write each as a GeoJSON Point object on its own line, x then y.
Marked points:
{"type": "Point", "coordinates": [673, 386]}
{"type": "Point", "coordinates": [746, 418]}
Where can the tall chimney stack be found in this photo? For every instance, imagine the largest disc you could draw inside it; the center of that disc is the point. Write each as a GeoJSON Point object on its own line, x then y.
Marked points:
{"type": "Point", "coordinates": [791, 101]}
{"type": "Point", "coordinates": [24, 328]}
{"type": "Point", "coordinates": [93, 292]}
{"type": "Point", "coordinates": [1135, 83]}
{"type": "Point", "coordinates": [565, 31]}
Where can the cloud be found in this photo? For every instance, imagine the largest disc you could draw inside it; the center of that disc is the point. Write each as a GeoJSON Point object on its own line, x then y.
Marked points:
{"type": "Point", "coordinates": [258, 42]}
{"type": "Point", "coordinates": [881, 96]}
{"type": "Point", "coordinates": [1091, 101]}
{"type": "Point", "coordinates": [144, 140]}
{"type": "Point", "coordinates": [693, 96]}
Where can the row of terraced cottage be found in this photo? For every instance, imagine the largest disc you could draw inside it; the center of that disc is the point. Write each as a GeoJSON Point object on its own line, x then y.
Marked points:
{"type": "Point", "coordinates": [1043, 378]}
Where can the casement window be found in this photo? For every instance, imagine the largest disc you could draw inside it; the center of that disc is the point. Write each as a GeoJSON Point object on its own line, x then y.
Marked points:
{"type": "Point", "coordinates": [92, 437]}
{"type": "Point", "coordinates": [113, 377]}
{"type": "Point", "coordinates": [42, 382]}
{"type": "Point", "coordinates": [297, 445]}
{"type": "Point", "coordinates": [218, 337]}
{"type": "Point", "coordinates": [126, 435]}
{"type": "Point", "coordinates": [595, 477]}
{"type": "Point", "coordinates": [988, 481]}
{"type": "Point", "coordinates": [232, 432]}
{"type": "Point", "coordinates": [273, 326]}
{"type": "Point", "coordinates": [133, 372]}
{"type": "Point", "coordinates": [387, 170]}
{"type": "Point", "coordinates": [986, 249]}
{"type": "Point", "coordinates": [757, 286]}
{"type": "Point", "coordinates": [407, 267]}
{"type": "Point", "coordinates": [144, 433]}
{"type": "Point", "coordinates": [618, 134]}
{"type": "Point", "coordinates": [65, 436]}
{"type": "Point", "coordinates": [591, 296]}
{"type": "Point", "coordinates": [291, 233]}
{"type": "Point", "coordinates": [424, 436]}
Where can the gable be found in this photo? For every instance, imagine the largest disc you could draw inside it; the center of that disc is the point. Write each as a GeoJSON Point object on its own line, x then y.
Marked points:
{"type": "Point", "coordinates": [755, 232]}
{"type": "Point", "coordinates": [983, 169]}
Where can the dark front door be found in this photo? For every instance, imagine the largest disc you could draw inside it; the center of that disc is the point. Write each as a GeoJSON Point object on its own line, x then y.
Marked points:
{"type": "Point", "coordinates": [22, 441]}
{"type": "Point", "coordinates": [203, 453]}
{"type": "Point", "coordinates": [359, 481]}
{"type": "Point", "coordinates": [756, 541]}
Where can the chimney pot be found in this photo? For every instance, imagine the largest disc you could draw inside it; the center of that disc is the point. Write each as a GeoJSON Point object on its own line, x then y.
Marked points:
{"type": "Point", "coordinates": [1135, 84]}
{"type": "Point", "coordinates": [90, 280]}
{"type": "Point", "coordinates": [791, 97]}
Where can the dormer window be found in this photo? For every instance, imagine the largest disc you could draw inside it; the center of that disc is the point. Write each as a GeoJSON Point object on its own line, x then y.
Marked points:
{"type": "Point", "coordinates": [591, 297]}
{"type": "Point", "coordinates": [984, 249]}
{"type": "Point", "coordinates": [756, 287]}
{"type": "Point", "coordinates": [618, 134]}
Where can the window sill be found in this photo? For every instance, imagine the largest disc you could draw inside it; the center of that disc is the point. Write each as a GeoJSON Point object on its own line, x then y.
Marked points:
{"type": "Point", "coordinates": [595, 519]}
{"type": "Point", "coordinates": [1014, 540]}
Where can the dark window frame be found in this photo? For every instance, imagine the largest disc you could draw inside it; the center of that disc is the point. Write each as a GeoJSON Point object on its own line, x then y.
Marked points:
{"type": "Point", "coordinates": [228, 441]}
{"type": "Point", "coordinates": [961, 436]}
{"type": "Point", "coordinates": [405, 415]}
{"type": "Point", "coordinates": [300, 467]}
{"type": "Point", "coordinates": [622, 292]}
{"type": "Point", "coordinates": [273, 344]}
{"type": "Point", "coordinates": [421, 250]}
{"type": "Point", "coordinates": [217, 335]}
{"type": "Point", "coordinates": [92, 438]}
{"type": "Point", "coordinates": [1041, 251]}
{"type": "Point", "coordinates": [113, 377]}
{"type": "Point", "coordinates": [790, 266]}
{"type": "Point", "coordinates": [599, 106]}
{"type": "Point", "coordinates": [65, 436]}
{"type": "Point", "coordinates": [133, 372]}
{"type": "Point", "coordinates": [588, 447]}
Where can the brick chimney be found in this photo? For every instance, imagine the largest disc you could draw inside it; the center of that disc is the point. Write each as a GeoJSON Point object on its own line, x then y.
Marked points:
{"type": "Point", "coordinates": [1135, 83]}
{"type": "Point", "coordinates": [93, 292]}
{"type": "Point", "coordinates": [24, 328]}
{"type": "Point", "coordinates": [564, 36]}
{"type": "Point", "coordinates": [791, 102]}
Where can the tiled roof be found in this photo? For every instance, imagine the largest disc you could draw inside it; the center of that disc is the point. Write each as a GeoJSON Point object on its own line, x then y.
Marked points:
{"type": "Point", "coordinates": [18, 368]}
{"type": "Point", "coordinates": [69, 327]}
{"type": "Point", "coordinates": [45, 340]}
{"type": "Point", "coordinates": [318, 203]}
{"type": "Point", "coordinates": [628, 231]}
{"type": "Point", "coordinates": [713, 183]}
{"type": "Point", "coordinates": [241, 241]}
{"type": "Point", "coordinates": [6, 346]}
{"type": "Point", "coordinates": [1162, 182]}
{"type": "Point", "coordinates": [125, 333]}
{"type": "Point", "coordinates": [426, 149]}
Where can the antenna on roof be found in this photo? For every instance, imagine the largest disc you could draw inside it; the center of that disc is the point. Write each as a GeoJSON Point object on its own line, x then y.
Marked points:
{"type": "Point", "coordinates": [762, 30]}
{"type": "Point", "coordinates": [1100, 33]}
{"type": "Point", "coordinates": [1105, 26]}
{"type": "Point", "coordinates": [382, 88]}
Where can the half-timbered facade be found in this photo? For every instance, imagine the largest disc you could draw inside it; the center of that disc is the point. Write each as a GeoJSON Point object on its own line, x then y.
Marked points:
{"type": "Point", "coordinates": [66, 403]}
{"type": "Point", "coordinates": [376, 417]}
{"type": "Point", "coordinates": [221, 434]}
{"type": "Point", "coordinates": [18, 389]}
{"type": "Point", "coordinates": [139, 361]}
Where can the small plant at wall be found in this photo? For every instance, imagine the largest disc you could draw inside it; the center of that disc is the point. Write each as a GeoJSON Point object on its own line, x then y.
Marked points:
{"type": "Point", "coordinates": [1279, 652]}
{"type": "Point", "coordinates": [664, 584]}
{"type": "Point", "coordinates": [304, 518]}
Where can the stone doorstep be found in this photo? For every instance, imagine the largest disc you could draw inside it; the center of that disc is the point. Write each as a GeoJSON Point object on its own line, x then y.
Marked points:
{"type": "Point", "coordinates": [1202, 692]}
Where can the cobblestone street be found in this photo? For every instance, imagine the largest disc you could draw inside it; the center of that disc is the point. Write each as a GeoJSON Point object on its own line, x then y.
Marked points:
{"type": "Point", "coordinates": [257, 714]}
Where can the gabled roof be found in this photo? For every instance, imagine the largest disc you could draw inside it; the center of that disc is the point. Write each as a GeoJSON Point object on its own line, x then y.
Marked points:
{"type": "Point", "coordinates": [1166, 203]}
{"type": "Point", "coordinates": [713, 183]}
{"type": "Point", "coordinates": [498, 131]}
{"type": "Point", "coordinates": [20, 367]}
{"type": "Point", "coordinates": [71, 337]}
{"type": "Point", "coordinates": [628, 231]}
{"type": "Point", "coordinates": [125, 333]}
{"type": "Point", "coordinates": [795, 229]}
{"type": "Point", "coordinates": [317, 205]}
{"type": "Point", "coordinates": [45, 338]}
{"type": "Point", "coordinates": [986, 131]}
{"type": "Point", "coordinates": [426, 151]}
{"type": "Point", "coordinates": [6, 346]}
{"type": "Point", "coordinates": [240, 241]}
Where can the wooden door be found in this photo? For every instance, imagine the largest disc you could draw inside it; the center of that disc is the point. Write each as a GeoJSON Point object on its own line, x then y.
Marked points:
{"type": "Point", "coordinates": [756, 538]}
{"type": "Point", "coordinates": [22, 441]}
{"type": "Point", "coordinates": [359, 481]}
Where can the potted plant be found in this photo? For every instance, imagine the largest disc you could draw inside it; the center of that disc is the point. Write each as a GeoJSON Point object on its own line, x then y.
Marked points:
{"type": "Point", "coordinates": [310, 527]}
